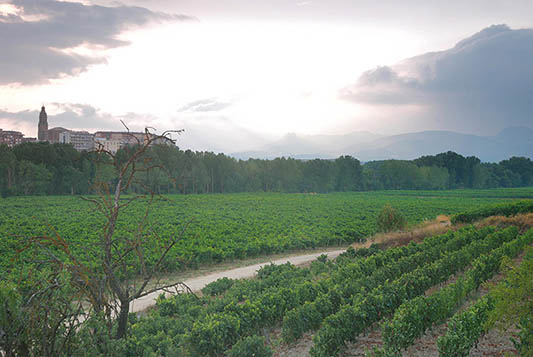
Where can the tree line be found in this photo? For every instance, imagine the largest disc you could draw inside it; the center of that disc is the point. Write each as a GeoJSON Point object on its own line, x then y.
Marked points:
{"type": "Point", "coordinates": [58, 169]}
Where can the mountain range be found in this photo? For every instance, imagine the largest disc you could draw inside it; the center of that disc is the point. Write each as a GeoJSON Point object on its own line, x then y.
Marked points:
{"type": "Point", "coordinates": [366, 146]}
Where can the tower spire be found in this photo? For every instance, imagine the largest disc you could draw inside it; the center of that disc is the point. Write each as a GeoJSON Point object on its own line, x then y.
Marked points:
{"type": "Point", "coordinates": [42, 133]}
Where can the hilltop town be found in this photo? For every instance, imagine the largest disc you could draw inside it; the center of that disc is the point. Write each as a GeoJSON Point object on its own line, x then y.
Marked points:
{"type": "Point", "coordinates": [110, 141]}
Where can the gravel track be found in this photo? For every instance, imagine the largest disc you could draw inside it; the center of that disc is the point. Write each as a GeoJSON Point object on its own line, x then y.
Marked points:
{"type": "Point", "coordinates": [197, 283]}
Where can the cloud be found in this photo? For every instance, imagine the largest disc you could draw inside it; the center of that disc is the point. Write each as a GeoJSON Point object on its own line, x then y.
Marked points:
{"type": "Point", "coordinates": [215, 133]}
{"type": "Point", "coordinates": [483, 83]}
{"type": "Point", "coordinates": [382, 86]}
{"type": "Point", "coordinates": [202, 131]}
{"type": "Point", "coordinates": [73, 116]}
{"type": "Point", "coordinates": [37, 37]}
{"type": "Point", "coordinates": [205, 105]}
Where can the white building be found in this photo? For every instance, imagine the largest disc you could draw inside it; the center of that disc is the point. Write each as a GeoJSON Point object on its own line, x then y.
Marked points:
{"type": "Point", "coordinates": [112, 141]}
{"type": "Point", "coordinates": [80, 140]}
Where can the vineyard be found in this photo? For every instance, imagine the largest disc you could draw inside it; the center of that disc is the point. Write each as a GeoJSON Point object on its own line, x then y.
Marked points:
{"type": "Point", "coordinates": [402, 291]}
{"type": "Point", "coordinates": [233, 226]}
{"type": "Point", "coordinates": [338, 301]}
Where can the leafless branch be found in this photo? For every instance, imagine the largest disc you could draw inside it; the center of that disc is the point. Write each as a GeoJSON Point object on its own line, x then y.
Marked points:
{"type": "Point", "coordinates": [166, 289]}
{"type": "Point", "coordinates": [107, 287]}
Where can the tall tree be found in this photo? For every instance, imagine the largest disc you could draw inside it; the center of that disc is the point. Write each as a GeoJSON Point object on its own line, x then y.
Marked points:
{"type": "Point", "coordinates": [522, 167]}
{"type": "Point", "coordinates": [349, 174]}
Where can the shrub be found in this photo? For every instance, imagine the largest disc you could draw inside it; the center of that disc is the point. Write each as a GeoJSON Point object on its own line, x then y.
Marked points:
{"type": "Point", "coordinates": [251, 346]}
{"type": "Point", "coordinates": [218, 287]}
{"type": "Point", "coordinates": [513, 303]}
{"type": "Point", "coordinates": [390, 219]}
{"type": "Point", "coordinates": [505, 209]}
{"type": "Point", "coordinates": [214, 335]}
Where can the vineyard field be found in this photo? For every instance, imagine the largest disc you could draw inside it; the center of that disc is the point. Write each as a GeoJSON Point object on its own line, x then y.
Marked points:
{"type": "Point", "coordinates": [240, 225]}
{"type": "Point", "coordinates": [234, 226]}
{"type": "Point", "coordinates": [330, 303]}
{"type": "Point", "coordinates": [336, 300]}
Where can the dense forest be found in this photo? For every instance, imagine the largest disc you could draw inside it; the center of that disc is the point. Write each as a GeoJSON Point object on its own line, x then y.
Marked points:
{"type": "Point", "coordinates": [57, 169]}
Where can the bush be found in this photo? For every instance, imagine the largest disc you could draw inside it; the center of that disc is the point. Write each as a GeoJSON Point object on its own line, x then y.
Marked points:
{"type": "Point", "coordinates": [251, 346]}
{"type": "Point", "coordinates": [513, 303]}
{"type": "Point", "coordinates": [390, 219]}
{"type": "Point", "coordinates": [505, 209]}
{"type": "Point", "coordinates": [214, 335]}
{"type": "Point", "coordinates": [218, 287]}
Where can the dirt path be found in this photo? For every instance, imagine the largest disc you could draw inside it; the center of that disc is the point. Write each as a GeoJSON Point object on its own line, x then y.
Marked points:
{"type": "Point", "coordinates": [197, 283]}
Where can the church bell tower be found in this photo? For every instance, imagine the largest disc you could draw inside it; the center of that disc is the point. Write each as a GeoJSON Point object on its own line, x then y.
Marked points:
{"type": "Point", "coordinates": [42, 134]}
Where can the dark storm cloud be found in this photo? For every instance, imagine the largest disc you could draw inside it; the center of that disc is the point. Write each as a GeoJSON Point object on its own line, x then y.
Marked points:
{"type": "Point", "coordinates": [382, 86]}
{"type": "Point", "coordinates": [24, 116]}
{"type": "Point", "coordinates": [485, 81]}
{"type": "Point", "coordinates": [32, 41]}
{"type": "Point", "coordinates": [205, 105]}
{"type": "Point", "coordinates": [80, 116]}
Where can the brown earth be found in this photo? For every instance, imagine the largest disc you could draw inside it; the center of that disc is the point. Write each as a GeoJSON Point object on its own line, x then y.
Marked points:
{"type": "Point", "coordinates": [417, 234]}
{"type": "Point", "coordinates": [522, 221]}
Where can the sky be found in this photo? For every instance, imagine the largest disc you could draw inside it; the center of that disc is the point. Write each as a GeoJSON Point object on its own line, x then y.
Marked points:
{"type": "Point", "coordinates": [236, 74]}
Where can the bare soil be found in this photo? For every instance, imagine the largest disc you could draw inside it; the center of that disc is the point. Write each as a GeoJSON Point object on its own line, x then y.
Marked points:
{"type": "Point", "coordinates": [416, 234]}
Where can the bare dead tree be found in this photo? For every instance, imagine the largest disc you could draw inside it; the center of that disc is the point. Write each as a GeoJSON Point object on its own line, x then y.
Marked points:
{"type": "Point", "coordinates": [109, 287]}
{"type": "Point", "coordinates": [113, 291]}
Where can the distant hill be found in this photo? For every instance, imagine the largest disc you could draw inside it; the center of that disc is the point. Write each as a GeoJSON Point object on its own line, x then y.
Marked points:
{"type": "Point", "coordinates": [309, 146]}
{"type": "Point", "coordinates": [512, 141]}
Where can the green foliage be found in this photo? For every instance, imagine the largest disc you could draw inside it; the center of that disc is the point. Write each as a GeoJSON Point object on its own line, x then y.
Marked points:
{"type": "Point", "coordinates": [413, 317]}
{"type": "Point", "coordinates": [40, 315]}
{"type": "Point", "coordinates": [404, 175]}
{"type": "Point", "coordinates": [521, 166]}
{"type": "Point", "coordinates": [297, 321]}
{"type": "Point", "coordinates": [231, 226]}
{"type": "Point", "coordinates": [340, 298]}
{"type": "Point", "coordinates": [368, 308]}
{"type": "Point", "coordinates": [514, 303]}
{"type": "Point", "coordinates": [390, 219]}
{"type": "Point", "coordinates": [465, 328]}
{"type": "Point", "coordinates": [213, 324]}
{"type": "Point", "coordinates": [178, 305]}
{"type": "Point", "coordinates": [507, 303]}
{"type": "Point", "coordinates": [12, 336]}
{"type": "Point", "coordinates": [214, 335]}
{"type": "Point", "coordinates": [460, 168]}
{"type": "Point", "coordinates": [366, 274]}
{"type": "Point", "coordinates": [218, 287]}
{"type": "Point", "coordinates": [503, 209]}
{"type": "Point", "coordinates": [322, 258]}
{"type": "Point", "coordinates": [251, 346]}
{"type": "Point", "coordinates": [93, 339]}
{"type": "Point", "coordinates": [43, 168]}
{"type": "Point", "coordinates": [358, 287]}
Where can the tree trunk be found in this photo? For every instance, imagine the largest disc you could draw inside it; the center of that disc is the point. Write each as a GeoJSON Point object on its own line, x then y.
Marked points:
{"type": "Point", "coordinates": [122, 328]}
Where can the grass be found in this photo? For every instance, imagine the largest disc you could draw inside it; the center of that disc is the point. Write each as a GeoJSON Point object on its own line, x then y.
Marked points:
{"type": "Point", "coordinates": [428, 228]}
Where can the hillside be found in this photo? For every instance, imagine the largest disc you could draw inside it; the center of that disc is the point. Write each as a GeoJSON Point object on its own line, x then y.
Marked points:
{"type": "Point", "coordinates": [366, 146]}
